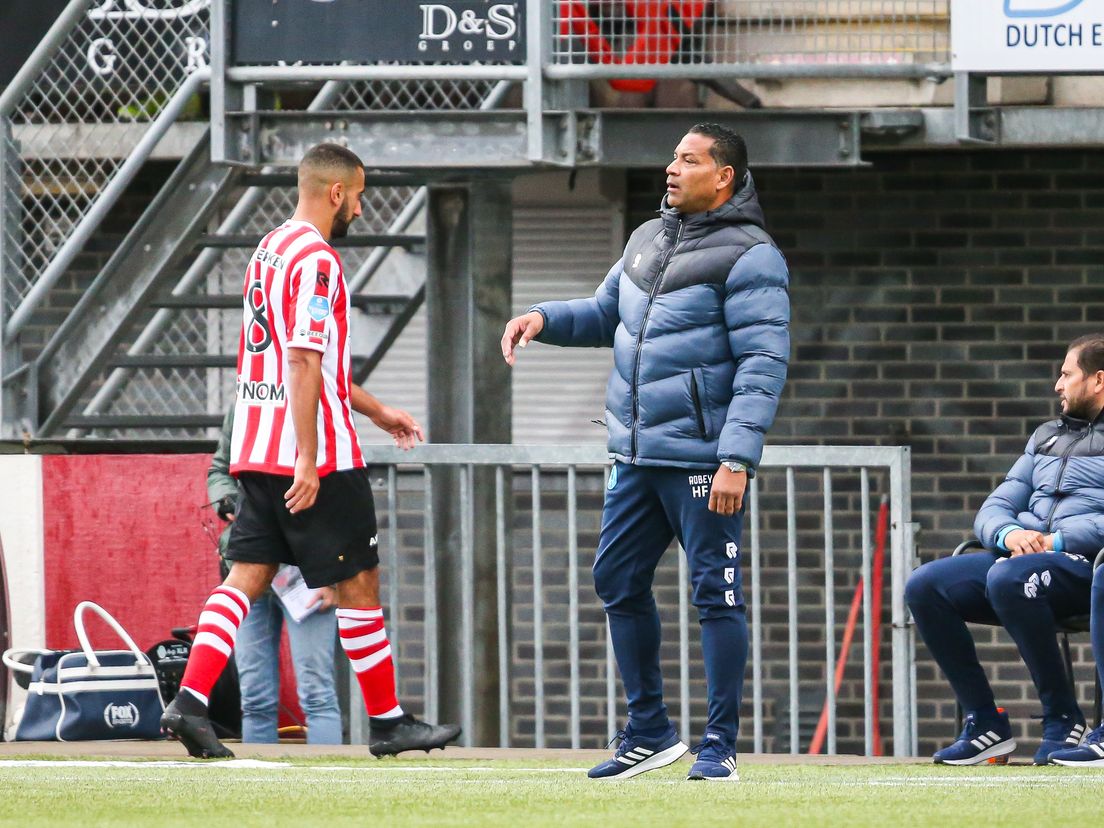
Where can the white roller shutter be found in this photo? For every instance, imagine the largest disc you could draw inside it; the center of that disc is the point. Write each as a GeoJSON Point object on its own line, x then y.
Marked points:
{"type": "Point", "coordinates": [559, 253]}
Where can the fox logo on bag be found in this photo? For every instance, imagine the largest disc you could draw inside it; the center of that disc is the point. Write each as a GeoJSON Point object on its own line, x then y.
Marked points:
{"type": "Point", "coordinates": [121, 715]}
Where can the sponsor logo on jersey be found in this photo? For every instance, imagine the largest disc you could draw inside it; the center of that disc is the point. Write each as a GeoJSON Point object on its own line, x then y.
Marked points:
{"type": "Point", "coordinates": [318, 307]}
{"type": "Point", "coordinates": [262, 393]}
{"type": "Point", "coordinates": [321, 337]}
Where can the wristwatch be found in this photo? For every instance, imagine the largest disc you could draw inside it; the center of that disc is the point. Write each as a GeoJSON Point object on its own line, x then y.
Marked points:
{"type": "Point", "coordinates": [734, 467]}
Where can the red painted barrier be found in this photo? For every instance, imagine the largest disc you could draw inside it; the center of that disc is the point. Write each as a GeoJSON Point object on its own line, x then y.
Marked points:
{"type": "Point", "coordinates": [126, 531]}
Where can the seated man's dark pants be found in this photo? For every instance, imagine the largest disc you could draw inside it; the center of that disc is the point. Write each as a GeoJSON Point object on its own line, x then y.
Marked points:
{"type": "Point", "coordinates": [1027, 595]}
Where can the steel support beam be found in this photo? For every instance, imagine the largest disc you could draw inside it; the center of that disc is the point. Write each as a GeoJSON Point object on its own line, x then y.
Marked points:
{"type": "Point", "coordinates": [440, 143]}
{"type": "Point", "coordinates": [414, 140]}
{"type": "Point", "coordinates": [446, 143]}
{"type": "Point", "coordinates": [468, 297]}
{"type": "Point", "coordinates": [142, 266]}
{"type": "Point", "coordinates": [1013, 127]}
{"type": "Point", "coordinates": [645, 137]}
{"type": "Point", "coordinates": [975, 122]}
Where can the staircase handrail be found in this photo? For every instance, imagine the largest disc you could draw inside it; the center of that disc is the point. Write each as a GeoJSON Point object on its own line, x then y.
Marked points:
{"type": "Point", "coordinates": [103, 203]}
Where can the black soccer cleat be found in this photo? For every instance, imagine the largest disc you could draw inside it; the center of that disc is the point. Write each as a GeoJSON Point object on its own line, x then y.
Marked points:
{"type": "Point", "coordinates": [194, 731]}
{"type": "Point", "coordinates": [387, 737]}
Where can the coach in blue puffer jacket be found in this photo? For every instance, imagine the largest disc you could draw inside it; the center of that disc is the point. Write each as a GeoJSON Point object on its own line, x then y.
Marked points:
{"type": "Point", "coordinates": [697, 312]}
{"type": "Point", "coordinates": [1041, 528]}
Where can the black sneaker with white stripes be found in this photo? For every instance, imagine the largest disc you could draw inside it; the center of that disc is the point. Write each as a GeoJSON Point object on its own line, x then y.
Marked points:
{"type": "Point", "coordinates": [638, 754]}
{"type": "Point", "coordinates": [980, 741]}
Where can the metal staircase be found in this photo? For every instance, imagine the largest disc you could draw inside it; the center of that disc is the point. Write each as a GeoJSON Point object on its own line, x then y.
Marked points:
{"type": "Point", "coordinates": [149, 350]}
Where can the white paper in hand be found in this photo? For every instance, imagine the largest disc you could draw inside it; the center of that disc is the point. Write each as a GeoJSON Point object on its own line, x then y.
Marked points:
{"type": "Point", "coordinates": [298, 598]}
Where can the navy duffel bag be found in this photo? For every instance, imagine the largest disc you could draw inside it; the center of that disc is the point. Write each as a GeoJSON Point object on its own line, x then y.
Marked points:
{"type": "Point", "coordinates": [84, 694]}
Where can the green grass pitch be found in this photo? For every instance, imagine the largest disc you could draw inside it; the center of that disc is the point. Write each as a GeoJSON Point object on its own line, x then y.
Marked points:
{"type": "Point", "coordinates": [343, 791]}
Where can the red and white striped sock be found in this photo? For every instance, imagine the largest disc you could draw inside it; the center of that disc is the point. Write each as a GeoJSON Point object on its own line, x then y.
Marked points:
{"type": "Point", "coordinates": [214, 640]}
{"type": "Point", "coordinates": [365, 643]}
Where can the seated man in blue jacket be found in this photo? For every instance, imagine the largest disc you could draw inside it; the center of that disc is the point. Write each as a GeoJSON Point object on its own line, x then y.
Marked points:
{"type": "Point", "coordinates": [1041, 529]}
{"type": "Point", "coordinates": [697, 313]}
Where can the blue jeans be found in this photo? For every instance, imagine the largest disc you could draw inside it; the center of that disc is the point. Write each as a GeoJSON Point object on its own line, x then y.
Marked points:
{"type": "Point", "coordinates": [312, 653]}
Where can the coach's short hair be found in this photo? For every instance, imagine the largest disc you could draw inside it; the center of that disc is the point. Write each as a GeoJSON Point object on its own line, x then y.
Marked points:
{"type": "Point", "coordinates": [1090, 352]}
{"type": "Point", "coordinates": [323, 158]}
{"type": "Point", "coordinates": [728, 150]}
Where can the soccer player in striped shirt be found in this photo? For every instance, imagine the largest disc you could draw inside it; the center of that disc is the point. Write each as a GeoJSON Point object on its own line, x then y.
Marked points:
{"type": "Point", "coordinates": [306, 496]}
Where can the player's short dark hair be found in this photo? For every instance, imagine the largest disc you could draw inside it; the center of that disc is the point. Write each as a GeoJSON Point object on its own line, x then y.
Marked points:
{"type": "Point", "coordinates": [1090, 352]}
{"type": "Point", "coordinates": [728, 150]}
{"type": "Point", "coordinates": [331, 157]}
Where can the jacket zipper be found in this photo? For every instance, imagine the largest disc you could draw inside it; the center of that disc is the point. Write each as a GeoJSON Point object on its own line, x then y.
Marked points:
{"type": "Point", "coordinates": [640, 340]}
{"type": "Point", "coordinates": [695, 394]}
{"type": "Point", "coordinates": [1061, 473]}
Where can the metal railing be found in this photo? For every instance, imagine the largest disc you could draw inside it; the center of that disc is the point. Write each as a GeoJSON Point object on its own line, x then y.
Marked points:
{"type": "Point", "coordinates": [542, 473]}
{"type": "Point", "coordinates": [750, 38]}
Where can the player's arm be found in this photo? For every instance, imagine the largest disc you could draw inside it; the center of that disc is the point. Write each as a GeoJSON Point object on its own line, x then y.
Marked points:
{"type": "Point", "coordinates": [310, 325]}
{"type": "Point", "coordinates": [402, 427]}
{"type": "Point", "coordinates": [304, 389]}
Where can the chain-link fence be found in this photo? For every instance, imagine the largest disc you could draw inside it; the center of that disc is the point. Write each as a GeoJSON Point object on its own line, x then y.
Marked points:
{"type": "Point", "coordinates": [751, 32]}
{"type": "Point", "coordinates": [67, 134]}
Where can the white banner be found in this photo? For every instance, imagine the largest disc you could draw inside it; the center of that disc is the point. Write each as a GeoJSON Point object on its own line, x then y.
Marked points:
{"type": "Point", "coordinates": [1031, 36]}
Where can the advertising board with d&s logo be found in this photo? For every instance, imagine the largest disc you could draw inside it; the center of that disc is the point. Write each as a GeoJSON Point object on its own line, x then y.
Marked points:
{"type": "Point", "coordinates": [462, 31]}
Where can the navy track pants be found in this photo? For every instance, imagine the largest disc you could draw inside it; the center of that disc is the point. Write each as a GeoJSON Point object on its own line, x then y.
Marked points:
{"type": "Point", "coordinates": [647, 506]}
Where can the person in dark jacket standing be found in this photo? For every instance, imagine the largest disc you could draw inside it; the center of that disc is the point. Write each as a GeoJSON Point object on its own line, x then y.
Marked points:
{"type": "Point", "coordinates": [1041, 529]}
{"type": "Point", "coordinates": [697, 312]}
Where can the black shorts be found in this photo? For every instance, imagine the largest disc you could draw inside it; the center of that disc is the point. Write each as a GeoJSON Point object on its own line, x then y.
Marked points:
{"type": "Point", "coordinates": [330, 542]}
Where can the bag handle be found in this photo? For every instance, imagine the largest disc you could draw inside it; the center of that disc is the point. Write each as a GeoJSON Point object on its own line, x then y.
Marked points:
{"type": "Point", "coordinates": [82, 636]}
{"type": "Point", "coordinates": [11, 661]}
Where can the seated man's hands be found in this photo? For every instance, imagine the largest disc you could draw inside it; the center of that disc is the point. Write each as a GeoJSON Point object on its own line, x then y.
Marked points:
{"type": "Point", "coordinates": [1027, 542]}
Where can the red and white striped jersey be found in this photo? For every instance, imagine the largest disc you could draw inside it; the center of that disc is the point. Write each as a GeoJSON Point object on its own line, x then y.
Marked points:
{"type": "Point", "coordinates": [295, 296]}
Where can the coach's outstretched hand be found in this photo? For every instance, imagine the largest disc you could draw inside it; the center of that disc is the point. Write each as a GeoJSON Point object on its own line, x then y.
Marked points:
{"type": "Point", "coordinates": [404, 429]}
{"type": "Point", "coordinates": [519, 331]}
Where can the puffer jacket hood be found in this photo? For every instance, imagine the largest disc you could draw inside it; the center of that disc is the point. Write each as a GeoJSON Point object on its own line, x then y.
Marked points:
{"type": "Point", "coordinates": [697, 312]}
{"type": "Point", "coordinates": [742, 208]}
